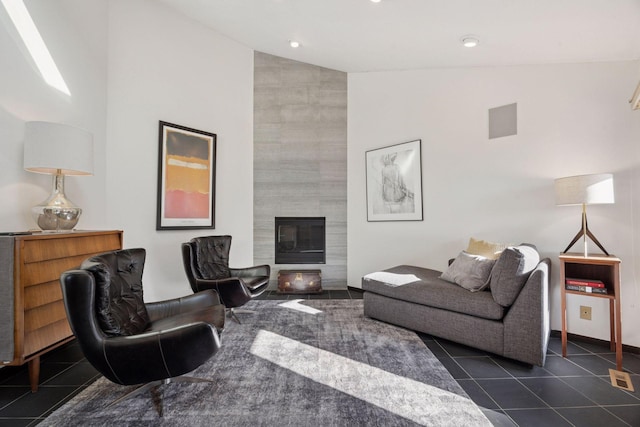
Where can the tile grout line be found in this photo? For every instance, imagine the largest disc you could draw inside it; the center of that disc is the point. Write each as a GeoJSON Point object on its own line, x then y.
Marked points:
{"type": "Point", "coordinates": [578, 391]}
{"type": "Point", "coordinates": [553, 375]}
{"type": "Point", "coordinates": [476, 382]}
{"type": "Point", "coordinates": [554, 408]}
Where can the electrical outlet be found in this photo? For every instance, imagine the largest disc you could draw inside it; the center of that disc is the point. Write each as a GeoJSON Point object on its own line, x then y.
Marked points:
{"type": "Point", "coordinates": [585, 312]}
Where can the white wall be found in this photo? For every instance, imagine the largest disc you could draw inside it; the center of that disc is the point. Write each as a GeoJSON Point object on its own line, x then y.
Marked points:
{"type": "Point", "coordinates": [75, 33]}
{"type": "Point", "coordinates": [572, 119]}
{"type": "Point", "coordinates": [157, 65]}
{"type": "Point", "coordinates": [163, 66]}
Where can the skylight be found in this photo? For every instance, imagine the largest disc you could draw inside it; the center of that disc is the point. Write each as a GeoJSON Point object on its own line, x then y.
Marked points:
{"type": "Point", "coordinates": [35, 45]}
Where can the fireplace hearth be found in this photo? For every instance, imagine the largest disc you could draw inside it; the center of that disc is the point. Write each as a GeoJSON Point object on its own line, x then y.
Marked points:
{"type": "Point", "coordinates": [300, 240]}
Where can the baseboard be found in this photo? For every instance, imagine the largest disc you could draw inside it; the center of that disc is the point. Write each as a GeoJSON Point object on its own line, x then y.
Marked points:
{"type": "Point", "coordinates": [575, 337]}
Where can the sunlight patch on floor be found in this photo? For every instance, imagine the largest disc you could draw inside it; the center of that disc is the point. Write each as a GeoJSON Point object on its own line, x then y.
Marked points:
{"type": "Point", "coordinates": [419, 402]}
{"type": "Point", "coordinates": [296, 305]}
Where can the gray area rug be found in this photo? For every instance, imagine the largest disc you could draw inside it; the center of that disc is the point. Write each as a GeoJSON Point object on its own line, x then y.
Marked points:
{"type": "Point", "coordinates": [295, 363]}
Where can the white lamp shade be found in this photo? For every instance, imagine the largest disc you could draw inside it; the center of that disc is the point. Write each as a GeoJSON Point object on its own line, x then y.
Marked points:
{"type": "Point", "coordinates": [49, 147]}
{"type": "Point", "coordinates": [585, 189]}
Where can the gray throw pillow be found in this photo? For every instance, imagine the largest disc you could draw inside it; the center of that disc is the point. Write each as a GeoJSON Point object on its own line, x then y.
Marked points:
{"type": "Point", "coordinates": [472, 272]}
{"type": "Point", "coordinates": [511, 272]}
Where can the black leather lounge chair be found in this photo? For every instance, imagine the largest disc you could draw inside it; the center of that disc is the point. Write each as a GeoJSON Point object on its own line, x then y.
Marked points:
{"type": "Point", "coordinates": [206, 262]}
{"type": "Point", "coordinates": [131, 342]}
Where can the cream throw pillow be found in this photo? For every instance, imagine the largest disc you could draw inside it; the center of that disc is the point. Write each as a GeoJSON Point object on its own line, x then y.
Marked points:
{"type": "Point", "coordinates": [486, 249]}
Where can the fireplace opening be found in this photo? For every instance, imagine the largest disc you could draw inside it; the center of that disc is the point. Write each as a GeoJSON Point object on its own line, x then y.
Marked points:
{"type": "Point", "coordinates": [300, 240]}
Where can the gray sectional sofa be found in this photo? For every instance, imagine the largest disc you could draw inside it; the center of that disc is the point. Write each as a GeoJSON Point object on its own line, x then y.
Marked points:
{"type": "Point", "coordinates": [509, 318]}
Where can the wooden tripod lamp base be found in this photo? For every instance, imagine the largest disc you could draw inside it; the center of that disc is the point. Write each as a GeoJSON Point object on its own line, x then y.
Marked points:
{"type": "Point", "coordinates": [585, 190]}
{"type": "Point", "coordinates": [585, 232]}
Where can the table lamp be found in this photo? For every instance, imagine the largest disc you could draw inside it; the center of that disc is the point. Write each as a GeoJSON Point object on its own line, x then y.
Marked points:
{"type": "Point", "coordinates": [585, 190]}
{"type": "Point", "coordinates": [58, 150]}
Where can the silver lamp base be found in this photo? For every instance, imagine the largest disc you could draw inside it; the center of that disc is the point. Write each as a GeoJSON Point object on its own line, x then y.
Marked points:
{"type": "Point", "coordinates": [57, 213]}
{"type": "Point", "coordinates": [56, 219]}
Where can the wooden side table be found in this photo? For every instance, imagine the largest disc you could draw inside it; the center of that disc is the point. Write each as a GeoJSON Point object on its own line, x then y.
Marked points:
{"type": "Point", "coordinates": [602, 268]}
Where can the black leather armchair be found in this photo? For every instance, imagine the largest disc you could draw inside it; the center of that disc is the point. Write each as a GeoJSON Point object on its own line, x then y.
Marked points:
{"type": "Point", "coordinates": [206, 263]}
{"type": "Point", "coordinates": [128, 341]}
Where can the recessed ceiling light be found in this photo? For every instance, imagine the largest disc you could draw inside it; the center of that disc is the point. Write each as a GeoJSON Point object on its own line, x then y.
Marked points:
{"type": "Point", "coordinates": [294, 43]}
{"type": "Point", "coordinates": [470, 41]}
{"type": "Point", "coordinates": [375, 1]}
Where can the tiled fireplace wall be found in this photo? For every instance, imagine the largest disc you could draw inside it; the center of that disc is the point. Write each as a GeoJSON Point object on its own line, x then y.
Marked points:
{"type": "Point", "coordinates": [300, 158]}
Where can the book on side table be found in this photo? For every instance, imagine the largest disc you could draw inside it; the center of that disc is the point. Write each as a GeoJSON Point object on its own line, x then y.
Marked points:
{"type": "Point", "coordinates": [591, 286]}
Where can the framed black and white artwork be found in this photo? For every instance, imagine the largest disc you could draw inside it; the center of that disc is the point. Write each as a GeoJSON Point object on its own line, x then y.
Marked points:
{"type": "Point", "coordinates": [394, 182]}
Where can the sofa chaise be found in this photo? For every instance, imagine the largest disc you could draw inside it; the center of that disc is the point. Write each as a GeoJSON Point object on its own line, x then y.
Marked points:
{"type": "Point", "coordinates": [508, 315]}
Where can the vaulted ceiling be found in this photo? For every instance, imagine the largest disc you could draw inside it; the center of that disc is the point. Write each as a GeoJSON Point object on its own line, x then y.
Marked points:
{"type": "Point", "coordinates": [361, 36]}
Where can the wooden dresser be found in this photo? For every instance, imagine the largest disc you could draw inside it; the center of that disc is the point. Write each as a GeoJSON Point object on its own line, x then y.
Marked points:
{"type": "Point", "coordinates": [30, 282]}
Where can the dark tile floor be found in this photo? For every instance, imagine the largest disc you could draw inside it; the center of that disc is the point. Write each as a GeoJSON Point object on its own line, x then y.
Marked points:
{"type": "Point", "coordinates": [572, 391]}
{"type": "Point", "coordinates": [575, 391]}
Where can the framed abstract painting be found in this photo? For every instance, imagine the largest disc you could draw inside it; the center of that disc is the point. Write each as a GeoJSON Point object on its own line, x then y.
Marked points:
{"type": "Point", "coordinates": [186, 178]}
{"type": "Point", "coordinates": [394, 182]}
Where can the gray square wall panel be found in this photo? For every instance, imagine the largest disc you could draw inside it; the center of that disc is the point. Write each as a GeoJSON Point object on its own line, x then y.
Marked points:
{"type": "Point", "coordinates": [503, 121]}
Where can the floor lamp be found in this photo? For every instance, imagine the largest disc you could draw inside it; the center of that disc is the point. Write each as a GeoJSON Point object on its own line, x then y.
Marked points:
{"type": "Point", "coordinates": [585, 190]}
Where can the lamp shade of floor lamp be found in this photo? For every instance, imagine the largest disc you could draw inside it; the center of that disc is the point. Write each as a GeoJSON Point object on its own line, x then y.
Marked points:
{"type": "Point", "coordinates": [57, 149]}
{"type": "Point", "coordinates": [585, 190]}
